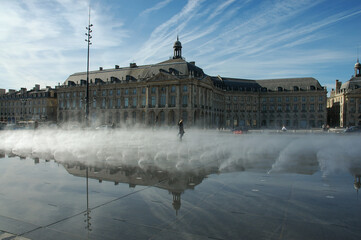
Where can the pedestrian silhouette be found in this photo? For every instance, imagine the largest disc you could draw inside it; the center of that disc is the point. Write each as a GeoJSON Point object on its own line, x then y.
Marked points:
{"type": "Point", "coordinates": [181, 129]}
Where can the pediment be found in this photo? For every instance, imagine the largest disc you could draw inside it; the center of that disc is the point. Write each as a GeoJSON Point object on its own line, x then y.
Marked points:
{"type": "Point", "coordinates": [161, 76]}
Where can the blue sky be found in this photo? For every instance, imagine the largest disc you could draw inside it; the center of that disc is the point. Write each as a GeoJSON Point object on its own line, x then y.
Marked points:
{"type": "Point", "coordinates": [42, 41]}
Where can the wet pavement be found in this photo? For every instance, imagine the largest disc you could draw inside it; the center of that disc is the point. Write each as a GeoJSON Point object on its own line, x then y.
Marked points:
{"type": "Point", "coordinates": [45, 199]}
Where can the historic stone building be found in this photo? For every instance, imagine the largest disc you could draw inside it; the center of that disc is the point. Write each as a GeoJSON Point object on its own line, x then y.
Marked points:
{"type": "Point", "coordinates": [162, 93]}
{"type": "Point", "coordinates": [23, 105]}
{"type": "Point", "coordinates": [344, 103]}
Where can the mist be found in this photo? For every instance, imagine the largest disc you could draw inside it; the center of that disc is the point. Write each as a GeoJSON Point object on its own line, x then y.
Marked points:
{"type": "Point", "coordinates": [161, 148]}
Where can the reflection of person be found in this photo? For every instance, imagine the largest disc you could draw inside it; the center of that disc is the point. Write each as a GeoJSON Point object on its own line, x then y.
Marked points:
{"type": "Point", "coordinates": [181, 129]}
{"type": "Point", "coordinates": [284, 129]}
{"type": "Point", "coordinates": [36, 125]}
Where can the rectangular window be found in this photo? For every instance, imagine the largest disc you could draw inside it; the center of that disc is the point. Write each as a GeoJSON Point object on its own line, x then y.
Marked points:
{"type": "Point", "coordinates": [303, 107]}
{"type": "Point", "coordinates": [110, 103]}
{"type": "Point", "coordinates": [118, 92]}
{"type": "Point", "coordinates": [143, 101]}
{"type": "Point", "coordinates": [110, 92]}
{"type": "Point", "coordinates": [295, 107]}
{"type": "Point", "coordinates": [94, 93]}
{"type": "Point", "coordinates": [287, 99]}
{"type": "Point", "coordinates": [94, 104]}
{"type": "Point", "coordinates": [134, 91]}
{"type": "Point", "coordinates": [185, 100]}
{"type": "Point", "coordinates": [172, 101]}
{"type": "Point", "coordinates": [172, 89]}
{"type": "Point", "coordinates": [143, 90]}
{"type": "Point", "coordinates": [320, 107]}
{"type": "Point", "coordinates": [118, 103]}
{"type": "Point", "coordinates": [134, 102]}
{"type": "Point", "coordinates": [126, 91]}
{"type": "Point", "coordinates": [295, 99]}
{"type": "Point", "coordinates": [104, 93]}
{"type": "Point", "coordinates": [103, 103]}
{"type": "Point", "coordinates": [312, 107]}
{"type": "Point", "coordinates": [162, 100]}
{"type": "Point", "coordinates": [154, 89]}
{"type": "Point", "coordinates": [303, 99]}
{"type": "Point", "coordinates": [153, 101]}
{"type": "Point", "coordinates": [185, 88]}
{"type": "Point", "coordinates": [80, 103]}
{"type": "Point", "coordinates": [126, 102]}
{"type": "Point", "coordinates": [312, 99]}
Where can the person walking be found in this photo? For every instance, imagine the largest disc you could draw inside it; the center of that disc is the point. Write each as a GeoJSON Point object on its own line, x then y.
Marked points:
{"type": "Point", "coordinates": [181, 129]}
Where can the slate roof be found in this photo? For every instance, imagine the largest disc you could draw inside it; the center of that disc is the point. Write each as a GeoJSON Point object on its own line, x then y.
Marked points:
{"type": "Point", "coordinates": [286, 84]}
{"type": "Point", "coordinates": [178, 67]}
{"type": "Point", "coordinates": [352, 84]}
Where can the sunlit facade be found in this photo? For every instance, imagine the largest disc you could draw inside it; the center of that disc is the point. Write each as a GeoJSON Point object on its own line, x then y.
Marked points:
{"type": "Point", "coordinates": [161, 94]}
{"type": "Point", "coordinates": [28, 105]}
{"type": "Point", "coordinates": [344, 103]}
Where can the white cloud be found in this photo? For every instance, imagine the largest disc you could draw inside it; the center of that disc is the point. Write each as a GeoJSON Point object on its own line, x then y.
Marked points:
{"type": "Point", "coordinates": [157, 7]}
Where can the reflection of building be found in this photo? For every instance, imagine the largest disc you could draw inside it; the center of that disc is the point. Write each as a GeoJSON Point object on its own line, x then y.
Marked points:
{"type": "Point", "coordinates": [164, 92]}
{"type": "Point", "coordinates": [344, 103]}
{"type": "Point", "coordinates": [175, 182]}
{"type": "Point", "coordinates": [36, 104]}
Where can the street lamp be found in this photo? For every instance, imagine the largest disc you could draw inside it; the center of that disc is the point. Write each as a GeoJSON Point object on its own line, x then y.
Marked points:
{"type": "Point", "coordinates": [87, 71]}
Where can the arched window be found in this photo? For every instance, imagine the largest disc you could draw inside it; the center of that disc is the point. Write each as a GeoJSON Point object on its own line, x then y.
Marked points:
{"type": "Point", "coordinates": [280, 89]}
{"type": "Point", "coordinates": [296, 88]}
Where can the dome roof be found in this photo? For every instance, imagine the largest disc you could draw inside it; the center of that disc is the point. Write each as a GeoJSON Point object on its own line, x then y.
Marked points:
{"type": "Point", "coordinates": [177, 44]}
{"type": "Point", "coordinates": [357, 65]}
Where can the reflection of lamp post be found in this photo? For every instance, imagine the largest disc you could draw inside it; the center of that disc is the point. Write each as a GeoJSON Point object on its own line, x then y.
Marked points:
{"type": "Point", "coordinates": [88, 210]}
{"type": "Point", "coordinates": [87, 72]}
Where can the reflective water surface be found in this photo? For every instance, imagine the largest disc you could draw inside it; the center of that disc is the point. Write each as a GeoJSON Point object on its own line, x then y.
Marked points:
{"type": "Point", "coordinates": [278, 187]}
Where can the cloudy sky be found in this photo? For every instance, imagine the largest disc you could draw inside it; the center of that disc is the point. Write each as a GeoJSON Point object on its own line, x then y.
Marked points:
{"type": "Point", "coordinates": [42, 41]}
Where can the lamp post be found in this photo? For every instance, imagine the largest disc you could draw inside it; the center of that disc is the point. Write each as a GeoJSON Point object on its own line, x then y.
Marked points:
{"type": "Point", "coordinates": [87, 72]}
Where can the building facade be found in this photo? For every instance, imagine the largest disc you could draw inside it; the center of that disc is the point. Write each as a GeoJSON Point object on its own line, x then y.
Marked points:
{"type": "Point", "coordinates": [162, 93]}
{"type": "Point", "coordinates": [28, 105]}
{"type": "Point", "coordinates": [344, 103]}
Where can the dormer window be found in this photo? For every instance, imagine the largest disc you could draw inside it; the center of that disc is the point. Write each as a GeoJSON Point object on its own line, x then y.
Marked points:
{"type": "Point", "coordinates": [280, 89]}
{"type": "Point", "coordinates": [296, 88]}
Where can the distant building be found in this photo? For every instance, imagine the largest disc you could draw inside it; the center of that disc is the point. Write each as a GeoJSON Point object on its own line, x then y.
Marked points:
{"type": "Point", "coordinates": [162, 93]}
{"type": "Point", "coordinates": [23, 105]}
{"type": "Point", "coordinates": [344, 103]}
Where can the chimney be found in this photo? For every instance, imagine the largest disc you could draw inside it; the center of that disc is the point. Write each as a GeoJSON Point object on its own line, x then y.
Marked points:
{"type": "Point", "coordinates": [23, 90]}
{"type": "Point", "coordinates": [193, 63]}
{"type": "Point", "coordinates": [132, 65]}
{"type": "Point", "coordinates": [100, 68]}
{"type": "Point", "coordinates": [338, 86]}
{"type": "Point", "coordinates": [116, 66]}
{"type": "Point", "coordinates": [37, 87]}
{"type": "Point", "coordinates": [2, 91]}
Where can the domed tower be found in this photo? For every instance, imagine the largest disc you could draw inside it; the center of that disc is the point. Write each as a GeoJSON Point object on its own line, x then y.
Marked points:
{"type": "Point", "coordinates": [357, 69]}
{"type": "Point", "coordinates": [177, 49]}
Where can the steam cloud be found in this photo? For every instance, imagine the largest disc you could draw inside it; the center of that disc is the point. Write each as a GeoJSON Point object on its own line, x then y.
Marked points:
{"type": "Point", "coordinates": [161, 148]}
